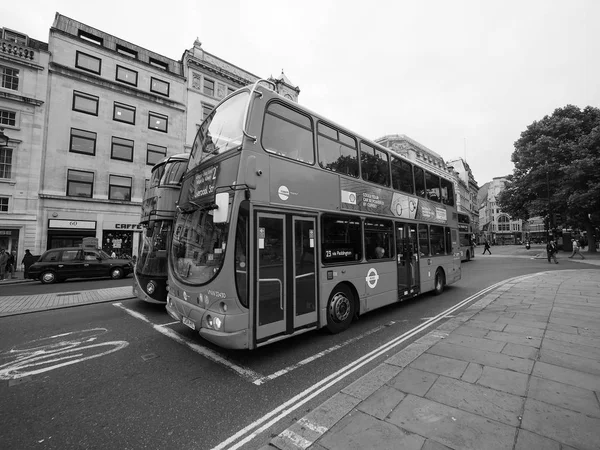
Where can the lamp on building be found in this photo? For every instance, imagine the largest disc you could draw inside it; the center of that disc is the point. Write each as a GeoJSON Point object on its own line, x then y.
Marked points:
{"type": "Point", "coordinates": [3, 138]}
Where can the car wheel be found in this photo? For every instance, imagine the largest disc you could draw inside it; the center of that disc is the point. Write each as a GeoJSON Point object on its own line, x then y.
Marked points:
{"type": "Point", "coordinates": [116, 273]}
{"type": "Point", "coordinates": [340, 309]}
{"type": "Point", "coordinates": [440, 281]}
{"type": "Point", "coordinates": [48, 277]}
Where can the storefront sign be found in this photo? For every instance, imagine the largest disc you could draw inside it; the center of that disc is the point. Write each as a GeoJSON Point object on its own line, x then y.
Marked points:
{"type": "Point", "coordinates": [128, 226]}
{"type": "Point", "coordinates": [73, 224]}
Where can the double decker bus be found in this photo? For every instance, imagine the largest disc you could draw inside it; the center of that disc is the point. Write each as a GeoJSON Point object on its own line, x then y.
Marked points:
{"type": "Point", "coordinates": [288, 222]}
{"type": "Point", "coordinates": [158, 215]}
{"type": "Point", "coordinates": [465, 234]}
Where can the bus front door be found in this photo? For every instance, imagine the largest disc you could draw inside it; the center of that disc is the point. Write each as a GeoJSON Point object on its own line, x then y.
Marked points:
{"type": "Point", "coordinates": [286, 278]}
{"type": "Point", "coordinates": [408, 259]}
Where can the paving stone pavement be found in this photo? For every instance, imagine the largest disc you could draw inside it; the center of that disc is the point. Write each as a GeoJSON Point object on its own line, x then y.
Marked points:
{"type": "Point", "coordinates": [517, 370]}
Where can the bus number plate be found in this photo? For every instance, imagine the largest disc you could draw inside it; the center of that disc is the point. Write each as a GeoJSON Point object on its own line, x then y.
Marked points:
{"type": "Point", "coordinates": [188, 323]}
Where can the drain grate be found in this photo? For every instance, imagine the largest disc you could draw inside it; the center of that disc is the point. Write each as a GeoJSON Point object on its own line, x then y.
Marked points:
{"type": "Point", "coordinates": [68, 293]}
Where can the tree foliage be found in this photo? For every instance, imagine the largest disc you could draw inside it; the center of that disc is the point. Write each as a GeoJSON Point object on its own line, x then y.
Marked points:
{"type": "Point", "coordinates": [557, 169]}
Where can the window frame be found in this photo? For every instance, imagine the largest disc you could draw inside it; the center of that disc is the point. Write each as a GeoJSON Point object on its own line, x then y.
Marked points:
{"type": "Point", "coordinates": [6, 160]}
{"type": "Point", "coordinates": [125, 51]}
{"type": "Point", "coordinates": [5, 116]}
{"type": "Point", "coordinates": [91, 184]}
{"type": "Point", "coordinates": [376, 153]}
{"type": "Point", "coordinates": [111, 185]}
{"type": "Point", "coordinates": [78, 54]}
{"type": "Point", "coordinates": [83, 95]}
{"type": "Point", "coordinates": [153, 79]}
{"type": "Point", "coordinates": [126, 69]}
{"type": "Point", "coordinates": [4, 204]}
{"type": "Point", "coordinates": [353, 238]}
{"type": "Point", "coordinates": [94, 140]}
{"type": "Point", "coordinates": [152, 114]}
{"type": "Point", "coordinates": [327, 134]}
{"type": "Point", "coordinates": [204, 87]}
{"type": "Point", "coordinates": [379, 233]}
{"type": "Point", "coordinates": [14, 78]}
{"type": "Point", "coordinates": [154, 151]}
{"type": "Point", "coordinates": [112, 148]}
{"type": "Point", "coordinates": [124, 107]}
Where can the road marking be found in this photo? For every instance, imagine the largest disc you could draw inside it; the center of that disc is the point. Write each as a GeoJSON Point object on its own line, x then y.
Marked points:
{"type": "Point", "coordinates": [59, 350]}
{"type": "Point", "coordinates": [257, 427]}
{"type": "Point", "coordinates": [244, 372]}
{"type": "Point", "coordinates": [319, 355]}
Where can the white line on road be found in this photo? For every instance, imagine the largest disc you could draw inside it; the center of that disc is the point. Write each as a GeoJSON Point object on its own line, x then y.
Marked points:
{"type": "Point", "coordinates": [257, 427]}
{"type": "Point", "coordinates": [246, 373]}
{"type": "Point", "coordinates": [318, 355]}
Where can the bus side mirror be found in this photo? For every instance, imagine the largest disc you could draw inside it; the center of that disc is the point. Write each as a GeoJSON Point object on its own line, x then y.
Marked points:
{"type": "Point", "coordinates": [222, 211]}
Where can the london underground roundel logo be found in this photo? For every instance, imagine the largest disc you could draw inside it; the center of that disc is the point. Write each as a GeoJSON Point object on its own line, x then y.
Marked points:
{"type": "Point", "coordinates": [283, 192]}
{"type": "Point", "coordinates": [372, 278]}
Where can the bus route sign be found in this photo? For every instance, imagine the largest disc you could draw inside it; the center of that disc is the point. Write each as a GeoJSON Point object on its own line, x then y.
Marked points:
{"type": "Point", "coordinates": [204, 182]}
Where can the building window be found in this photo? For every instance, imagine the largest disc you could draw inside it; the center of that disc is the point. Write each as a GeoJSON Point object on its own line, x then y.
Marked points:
{"type": "Point", "coordinates": [158, 122]}
{"type": "Point", "coordinates": [8, 118]}
{"type": "Point", "coordinates": [83, 142]}
{"type": "Point", "coordinates": [121, 149]}
{"type": "Point", "coordinates": [85, 103]}
{"type": "Point", "coordinates": [5, 162]}
{"type": "Point", "coordinates": [155, 154]}
{"type": "Point", "coordinates": [503, 223]}
{"type": "Point", "coordinates": [79, 183]}
{"type": "Point", "coordinates": [159, 86]}
{"type": "Point", "coordinates": [159, 64]}
{"type": "Point", "coordinates": [3, 204]}
{"type": "Point", "coordinates": [125, 75]}
{"type": "Point", "coordinates": [119, 188]}
{"type": "Point", "coordinates": [206, 110]}
{"type": "Point", "coordinates": [10, 78]}
{"type": "Point", "coordinates": [88, 62]}
{"type": "Point", "coordinates": [208, 87]}
{"type": "Point", "coordinates": [90, 37]}
{"type": "Point", "coordinates": [124, 113]}
{"type": "Point", "coordinates": [126, 51]}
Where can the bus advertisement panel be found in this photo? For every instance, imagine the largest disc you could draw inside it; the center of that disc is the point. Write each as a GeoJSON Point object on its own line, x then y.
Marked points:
{"type": "Point", "coordinates": [289, 223]}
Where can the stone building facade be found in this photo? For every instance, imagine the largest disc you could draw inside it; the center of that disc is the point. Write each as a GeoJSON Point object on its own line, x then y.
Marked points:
{"type": "Point", "coordinates": [23, 112]}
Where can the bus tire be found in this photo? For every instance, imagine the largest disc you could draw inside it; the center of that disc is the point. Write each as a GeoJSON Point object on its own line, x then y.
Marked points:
{"type": "Point", "coordinates": [468, 255]}
{"type": "Point", "coordinates": [340, 309]}
{"type": "Point", "coordinates": [440, 282]}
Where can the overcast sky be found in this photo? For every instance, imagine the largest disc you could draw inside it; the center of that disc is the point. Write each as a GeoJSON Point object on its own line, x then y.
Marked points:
{"type": "Point", "coordinates": [463, 78]}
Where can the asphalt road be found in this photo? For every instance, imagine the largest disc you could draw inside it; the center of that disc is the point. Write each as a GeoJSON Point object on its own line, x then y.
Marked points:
{"type": "Point", "coordinates": [106, 376]}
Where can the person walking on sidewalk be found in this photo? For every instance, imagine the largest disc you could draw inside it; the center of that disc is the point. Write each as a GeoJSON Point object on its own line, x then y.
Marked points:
{"type": "Point", "coordinates": [551, 249]}
{"type": "Point", "coordinates": [486, 248]}
{"type": "Point", "coordinates": [576, 249]}
{"type": "Point", "coordinates": [3, 260]}
{"type": "Point", "coordinates": [11, 265]}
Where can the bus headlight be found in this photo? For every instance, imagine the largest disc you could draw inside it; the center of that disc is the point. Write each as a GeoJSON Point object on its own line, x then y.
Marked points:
{"type": "Point", "coordinates": [150, 287]}
{"type": "Point", "coordinates": [218, 323]}
{"type": "Point", "coordinates": [209, 321]}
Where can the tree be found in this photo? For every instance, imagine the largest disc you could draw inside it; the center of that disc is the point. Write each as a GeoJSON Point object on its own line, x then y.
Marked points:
{"type": "Point", "coordinates": [556, 170]}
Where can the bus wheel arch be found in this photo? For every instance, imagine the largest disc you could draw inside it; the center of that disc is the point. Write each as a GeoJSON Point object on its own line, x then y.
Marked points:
{"type": "Point", "coordinates": [341, 308]}
{"type": "Point", "coordinates": [439, 281]}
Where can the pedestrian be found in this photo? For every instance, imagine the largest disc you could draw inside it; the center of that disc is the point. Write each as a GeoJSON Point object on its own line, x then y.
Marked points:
{"type": "Point", "coordinates": [551, 250]}
{"type": "Point", "coordinates": [486, 245]}
{"type": "Point", "coordinates": [576, 249]}
{"type": "Point", "coordinates": [28, 260]}
{"type": "Point", "coordinates": [3, 260]}
{"type": "Point", "coordinates": [10, 265]}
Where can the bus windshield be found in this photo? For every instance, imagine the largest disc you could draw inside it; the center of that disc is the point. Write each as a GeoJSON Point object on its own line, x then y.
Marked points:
{"type": "Point", "coordinates": [152, 259]}
{"type": "Point", "coordinates": [198, 247]}
{"type": "Point", "coordinates": [221, 130]}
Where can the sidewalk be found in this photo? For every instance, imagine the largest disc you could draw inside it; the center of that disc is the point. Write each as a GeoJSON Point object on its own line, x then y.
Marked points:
{"type": "Point", "coordinates": [519, 369]}
{"type": "Point", "coordinates": [21, 304]}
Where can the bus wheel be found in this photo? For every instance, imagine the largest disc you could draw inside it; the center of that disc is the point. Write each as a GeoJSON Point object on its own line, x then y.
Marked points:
{"type": "Point", "coordinates": [468, 256]}
{"type": "Point", "coordinates": [440, 281]}
{"type": "Point", "coordinates": [340, 309]}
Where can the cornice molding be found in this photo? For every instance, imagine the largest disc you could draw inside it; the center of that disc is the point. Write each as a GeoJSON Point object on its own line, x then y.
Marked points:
{"type": "Point", "coordinates": [88, 200]}
{"type": "Point", "coordinates": [20, 98]}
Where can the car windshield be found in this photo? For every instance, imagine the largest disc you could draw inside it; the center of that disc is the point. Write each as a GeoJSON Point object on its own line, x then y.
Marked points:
{"type": "Point", "coordinates": [198, 247]}
{"type": "Point", "coordinates": [153, 250]}
{"type": "Point", "coordinates": [221, 130]}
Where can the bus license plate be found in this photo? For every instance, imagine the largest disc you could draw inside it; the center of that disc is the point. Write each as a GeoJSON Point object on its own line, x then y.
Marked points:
{"type": "Point", "coordinates": [188, 322]}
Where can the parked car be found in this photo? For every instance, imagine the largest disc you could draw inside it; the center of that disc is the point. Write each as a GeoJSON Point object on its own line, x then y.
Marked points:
{"type": "Point", "coordinates": [58, 264]}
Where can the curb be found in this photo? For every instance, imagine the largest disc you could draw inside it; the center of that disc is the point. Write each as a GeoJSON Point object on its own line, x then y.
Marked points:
{"type": "Point", "coordinates": [50, 308]}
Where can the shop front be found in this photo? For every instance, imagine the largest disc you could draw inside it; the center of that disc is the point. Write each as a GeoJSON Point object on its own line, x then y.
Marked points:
{"type": "Point", "coordinates": [69, 233]}
{"type": "Point", "coordinates": [120, 238]}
